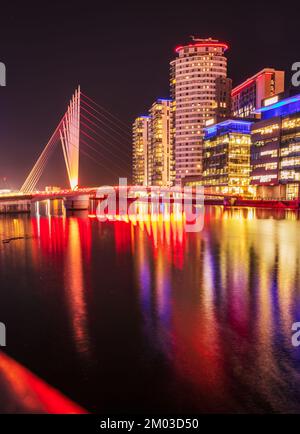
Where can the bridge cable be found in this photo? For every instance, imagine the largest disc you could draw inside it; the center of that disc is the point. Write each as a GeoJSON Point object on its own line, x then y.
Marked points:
{"type": "Point", "coordinates": [106, 111]}
{"type": "Point", "coordinates": [102, 156]}
{"type": "Point", "coordinates": [108, 127]}
{"type": "Point", "coordinates": [114, 154]}
{"type": "Point", "coordinates": [106, 120]}
{"type": "Point", "coordinates": [110, 143]}
{"type": "Point", "coordinates": [84, 152]}
{"type": "Point", "coordinates": [104, 147]}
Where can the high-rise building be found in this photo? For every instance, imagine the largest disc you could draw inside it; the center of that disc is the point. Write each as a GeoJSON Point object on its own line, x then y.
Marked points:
{"type": "Point", "coordinates": [194, 88]}
{"type": "Point", "coordinates": [160, 153]}
{"type": "Point", "coordinates": [248, 96]}
{"type": "Point", "coordinates": [140, 150]}
{"type": "Point", "coordinates": [275, 150]}
{"type": "Point", "coordinates": [223, 98]}
{"type": "Point", "coordinates": [226, 157]}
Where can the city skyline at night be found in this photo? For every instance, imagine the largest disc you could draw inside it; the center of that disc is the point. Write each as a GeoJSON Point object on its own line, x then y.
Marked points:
{"type": "Point", "coordinates": [149, 213]}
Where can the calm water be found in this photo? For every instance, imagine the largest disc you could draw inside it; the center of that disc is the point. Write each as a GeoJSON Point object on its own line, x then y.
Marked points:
{"type": "Point", "coordinates": [125, 317]}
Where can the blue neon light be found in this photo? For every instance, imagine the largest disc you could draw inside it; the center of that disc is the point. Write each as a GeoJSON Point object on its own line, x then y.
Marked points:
{"type": "Point", "coordinates": [284, 107]}
{"type": "Point", "coordinates": [279, 104]}
{"type": "Point", "coordinates": [228, 126]}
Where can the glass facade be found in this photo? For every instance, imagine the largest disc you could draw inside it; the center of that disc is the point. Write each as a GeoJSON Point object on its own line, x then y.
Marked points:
{"type": "Point", "coordinates": [226, 158]}
{"type": "Point", "coordinates": [290, 149]}
{"type": "Point", "coordinates": [275, 151]}
{"type": "Point", "coordinates": [248, 96]}
{"type": "Point", "coordinates": [265, 138]}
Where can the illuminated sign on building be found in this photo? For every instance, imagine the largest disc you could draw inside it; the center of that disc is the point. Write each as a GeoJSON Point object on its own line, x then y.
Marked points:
{"type": "Point", "coordinates": [271, 100]}
{"type": "Point", "coordinates": [209, 122]}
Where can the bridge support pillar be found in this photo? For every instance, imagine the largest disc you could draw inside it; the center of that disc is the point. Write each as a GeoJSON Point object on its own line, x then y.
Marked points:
{"type": "Point", "coordinates": [15, 207]}
{"type": "Point", "coordinates": [77, 203]}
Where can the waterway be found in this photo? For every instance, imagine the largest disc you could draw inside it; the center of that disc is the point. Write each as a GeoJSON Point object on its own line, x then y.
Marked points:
{"type": "Point", "coordinates": [131, 317]}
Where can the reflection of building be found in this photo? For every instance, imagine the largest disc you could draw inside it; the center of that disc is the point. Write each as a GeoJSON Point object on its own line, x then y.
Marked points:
{"type": "Point", "coordinates": [160, 151]}
{"type": "Point", "coordinates": [226, 157]}
{"type": "Point", "coordinates": [140, 150]}
{"type": "Point", "coordinates": [193, 87]}
{"type": "Point", "coordinates": [275, 151]}
{"type": "Point", "coordinates": [248, 96]}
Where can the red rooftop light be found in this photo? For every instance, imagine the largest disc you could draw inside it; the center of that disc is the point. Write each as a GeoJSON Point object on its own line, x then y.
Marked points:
{"type": "Point", "coordinates": [203, 44]}
{"type": "Point", "coordinates": [247, 83]}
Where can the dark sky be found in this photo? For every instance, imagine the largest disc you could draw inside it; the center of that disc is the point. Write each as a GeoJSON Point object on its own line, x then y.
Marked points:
{"type": "Point", "coordinates": [119, 52]}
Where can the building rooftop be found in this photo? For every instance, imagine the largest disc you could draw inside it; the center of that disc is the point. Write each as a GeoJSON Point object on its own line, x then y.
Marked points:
{"type": "Point", "coordinates": [275, 106]}
{"type": "Point", "coordinates": [165, 99]}
{"type": "Point", "coordinates": [203, 42]}
{"type": "Point", "coordinates": [228, 126]}
{"type": "Point", "coordinates": [251, 80]}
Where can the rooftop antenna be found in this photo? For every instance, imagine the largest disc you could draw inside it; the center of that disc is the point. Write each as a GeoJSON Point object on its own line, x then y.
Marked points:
{"type": "Point", "coordinates": [197, 39]}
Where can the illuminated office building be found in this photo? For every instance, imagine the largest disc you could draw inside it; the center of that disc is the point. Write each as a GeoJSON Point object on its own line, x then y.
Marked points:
{"type": "Point", "coordinates": [275, 150]}
{"type": "Point", "coordinates": [248, 96]}
{"type": "Point", "coordinates": [226, 157]}
{"type": "Point", "coordinates": [223, 98]}
{"type": "Point", "coordinates": [140, 150]}
{"type": "Point", "coordinates": [161, 171]}
{"type": "Point", "coordinates": [195, 83]}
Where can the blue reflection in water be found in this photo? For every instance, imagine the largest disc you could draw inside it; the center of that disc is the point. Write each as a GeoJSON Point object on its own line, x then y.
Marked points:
{"type": "Point", "coordinates": [135, 315]}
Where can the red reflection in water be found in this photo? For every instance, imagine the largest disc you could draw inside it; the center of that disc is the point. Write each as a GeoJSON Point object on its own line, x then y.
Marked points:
{"type": "Point", "coordinates": [185, 321]}
{"type": "Point", "coordinates": [165, 231]}
{"type": "Point", "coordinates": [51, 233]}
{"type": "Point", "coordinates": [207, 299]}
{"type": "Point", "coordinates": [68, 240]}
{"type": "Point", "coordinates": [122, 237]}
{"type": "Point", "coordinates": [78, 246]}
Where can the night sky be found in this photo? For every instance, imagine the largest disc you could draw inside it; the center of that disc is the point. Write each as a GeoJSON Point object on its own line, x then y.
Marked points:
{"type": "Point", "coordinates": [119, 52]}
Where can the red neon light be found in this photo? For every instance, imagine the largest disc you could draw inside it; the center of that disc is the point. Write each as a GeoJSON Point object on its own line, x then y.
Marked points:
{"type": "Point", "coordinates": [242, 86]}
{"type": "Point", "coordinates": [247, 83]}
{"type": "Point", "coordinates": [203, 44]}
{"type": "Point", "coordinates": [30, 394]}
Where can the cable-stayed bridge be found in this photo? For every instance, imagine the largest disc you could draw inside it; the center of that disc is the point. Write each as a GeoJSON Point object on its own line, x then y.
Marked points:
{"type": "Point", "coordinates": [88, 129]}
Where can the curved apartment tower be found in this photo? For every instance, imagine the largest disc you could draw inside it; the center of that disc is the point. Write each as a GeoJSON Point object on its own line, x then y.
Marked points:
{"type": "Point", "coordinates": [201, 91]}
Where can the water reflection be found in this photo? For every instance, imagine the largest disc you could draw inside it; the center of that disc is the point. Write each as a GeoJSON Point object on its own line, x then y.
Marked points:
{"type": "Point", "coordinates": [204, 317]}
{"type": "Point", "coordinates": [76, 294]}
{"type": "Point", "coordinates": [221, 302]}
{"type": "Point", "coordinates": [68, 241]}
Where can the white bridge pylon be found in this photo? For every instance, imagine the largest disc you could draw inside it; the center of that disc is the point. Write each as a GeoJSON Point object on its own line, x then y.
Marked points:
{"type": "Point", "coordinates": [69, 136]}
{"type": "Point", "coordinates": [68, 133]}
